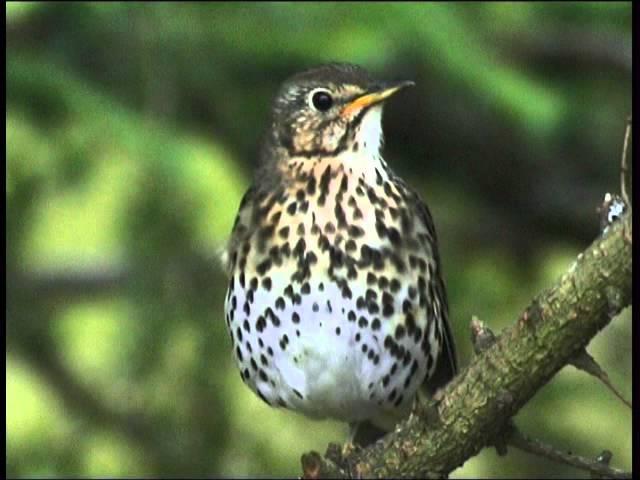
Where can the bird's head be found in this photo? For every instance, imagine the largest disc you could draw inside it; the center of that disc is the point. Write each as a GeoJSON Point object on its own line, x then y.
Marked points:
{"type": "Point", "coordinates": [330, 109]}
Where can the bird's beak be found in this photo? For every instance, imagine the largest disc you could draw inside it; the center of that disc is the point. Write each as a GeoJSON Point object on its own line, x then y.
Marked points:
{"type": "Point", "coordinates": [376, 95]}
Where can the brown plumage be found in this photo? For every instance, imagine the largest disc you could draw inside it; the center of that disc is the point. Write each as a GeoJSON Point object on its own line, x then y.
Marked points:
{"type": "Point", "coordinates": [336, 305]}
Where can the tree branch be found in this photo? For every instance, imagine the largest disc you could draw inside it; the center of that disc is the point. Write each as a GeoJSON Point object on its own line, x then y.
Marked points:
{"type": "Point", "coordinates": [482, 338]}
{"type": "Point", "coordinates": [598, 466]}
{"type": "Point", "coordinates": [476, 406]}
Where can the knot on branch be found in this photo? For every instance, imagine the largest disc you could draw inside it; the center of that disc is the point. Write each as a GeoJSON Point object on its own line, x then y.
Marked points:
{"type": "Point", "coordinates": [612, 208]}
{"type": "Point", "coordinates": [615, 300]}
{"type": "Point", "coordinates": [532, 314]}
{"type": "Point", "coordinates": [482, 337]}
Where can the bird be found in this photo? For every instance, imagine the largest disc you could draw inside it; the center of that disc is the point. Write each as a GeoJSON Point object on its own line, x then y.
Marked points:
{"type": "Point", "coordinates": [336, 305]}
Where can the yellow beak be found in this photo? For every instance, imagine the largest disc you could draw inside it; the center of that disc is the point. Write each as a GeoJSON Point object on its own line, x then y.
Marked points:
{"type": "Point", "coordinates": [374, 97]}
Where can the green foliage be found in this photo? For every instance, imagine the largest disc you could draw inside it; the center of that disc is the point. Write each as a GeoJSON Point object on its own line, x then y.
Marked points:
{"type": "Point", "coordinates": [132, 131]}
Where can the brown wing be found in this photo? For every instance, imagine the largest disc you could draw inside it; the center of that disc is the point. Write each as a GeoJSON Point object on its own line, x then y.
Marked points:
{"type": "Point", "coordinates": [446, 364]}
{"type": "Point", "coordinates": [239, 230]}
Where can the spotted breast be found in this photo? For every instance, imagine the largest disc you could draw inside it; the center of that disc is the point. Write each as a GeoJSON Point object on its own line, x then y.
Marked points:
{"type": "Point", "coordinates": [336, 305]}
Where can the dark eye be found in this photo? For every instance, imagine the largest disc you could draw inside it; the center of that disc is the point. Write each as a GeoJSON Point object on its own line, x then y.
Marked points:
{"type": "Point", "coordinates": [321, 100]}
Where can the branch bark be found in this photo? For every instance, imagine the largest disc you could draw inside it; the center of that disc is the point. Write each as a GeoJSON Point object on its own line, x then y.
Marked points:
{"type": "Point", "coordinates": [476, 406]}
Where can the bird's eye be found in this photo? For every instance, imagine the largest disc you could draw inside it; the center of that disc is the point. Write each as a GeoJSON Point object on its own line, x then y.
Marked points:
{"type": "Point", "coordinates": [321, 99]}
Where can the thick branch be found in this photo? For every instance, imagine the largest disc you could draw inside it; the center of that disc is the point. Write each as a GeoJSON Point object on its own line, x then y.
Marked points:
{"type": "Point", "coordinates": [478, 403]}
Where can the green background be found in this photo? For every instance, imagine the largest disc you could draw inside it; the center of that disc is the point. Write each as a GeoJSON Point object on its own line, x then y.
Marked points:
{"type": "Point", "coordinates": [131, 136]}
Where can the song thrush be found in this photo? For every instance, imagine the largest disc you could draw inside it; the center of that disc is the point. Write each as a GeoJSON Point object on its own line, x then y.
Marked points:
{"type": "Point", "coordinates": [336, 305]}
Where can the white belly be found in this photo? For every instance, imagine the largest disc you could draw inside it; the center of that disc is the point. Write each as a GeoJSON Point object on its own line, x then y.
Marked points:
{"type": "Point", "coordinates": [324, 365]}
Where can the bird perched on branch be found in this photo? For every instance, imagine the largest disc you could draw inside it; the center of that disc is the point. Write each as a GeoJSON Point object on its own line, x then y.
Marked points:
{"type": "Point", "coordinates": [336, 305]}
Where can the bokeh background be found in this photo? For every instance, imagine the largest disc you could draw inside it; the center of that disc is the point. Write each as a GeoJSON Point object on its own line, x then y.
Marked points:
{"type": "Point", "coordinates": [131, 136]}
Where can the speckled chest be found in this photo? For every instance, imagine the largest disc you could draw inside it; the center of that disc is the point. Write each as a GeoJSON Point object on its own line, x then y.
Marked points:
{"type": "Point", "coordinates": [331, 305]}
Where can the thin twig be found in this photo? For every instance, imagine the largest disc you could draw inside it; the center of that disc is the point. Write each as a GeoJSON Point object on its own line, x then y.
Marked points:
{"type": "Point", "coordinates": [623, 165]}
{"type": "Point", "coordinates": [585, 362]}
{"type": "Point", "coordinates": [596, 466]}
